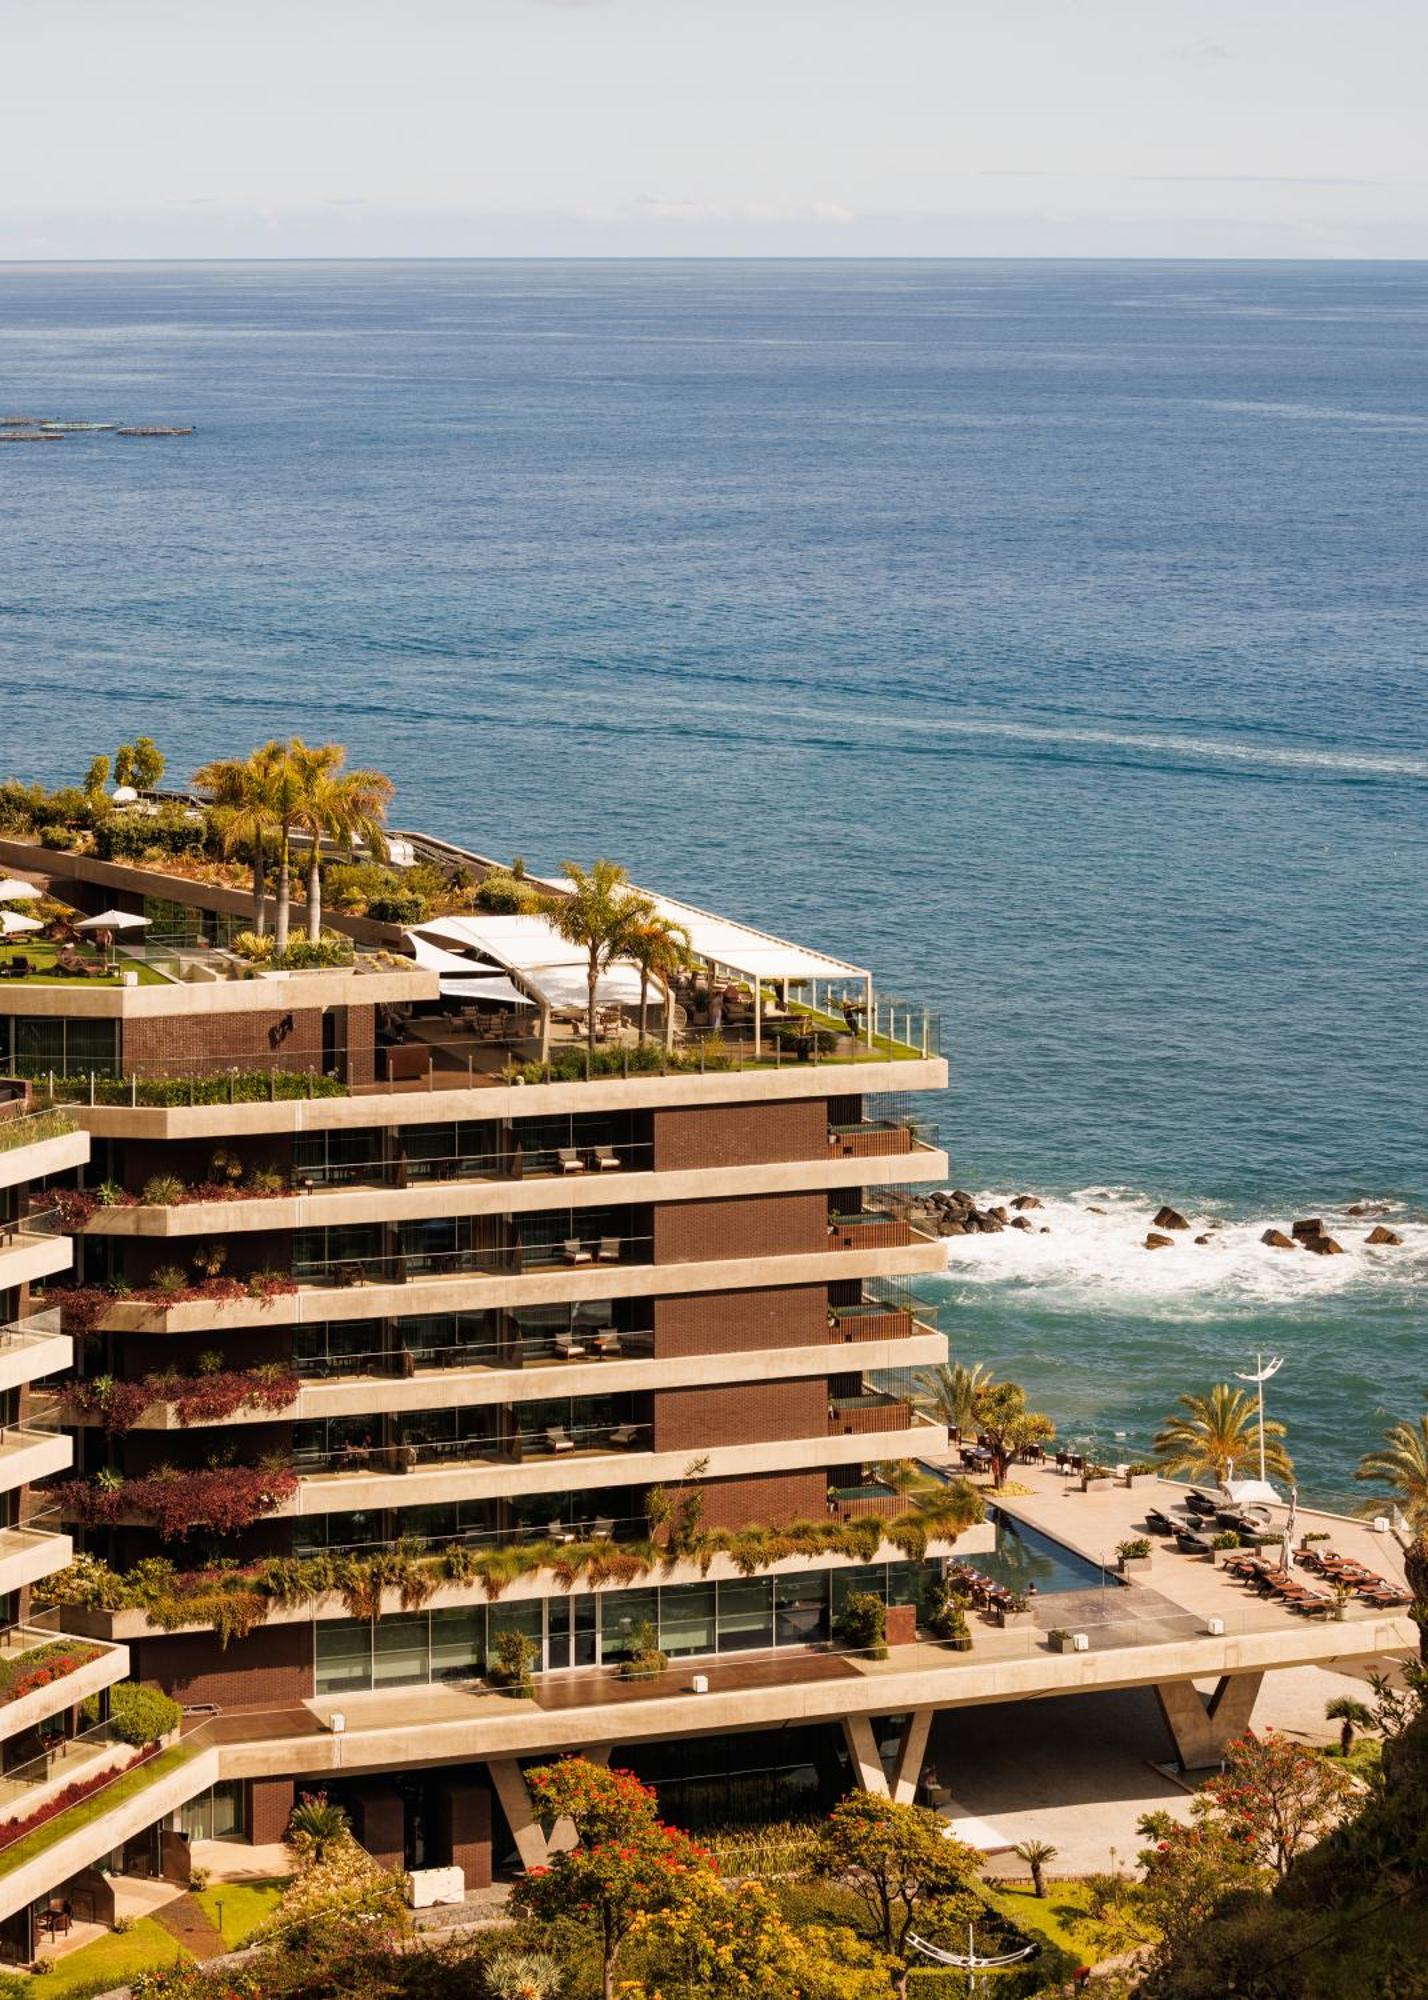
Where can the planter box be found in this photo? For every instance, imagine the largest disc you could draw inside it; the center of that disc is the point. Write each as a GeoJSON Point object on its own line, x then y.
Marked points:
{"type": "Point", "coordinates": [1008, 1618]}
{"type": "Point", "coordinates": [1134, 1565]}
{"type": "Point", "coordinates": [1134, 1479]}
{"type": "Point", "coordinates": [1096, 1485]}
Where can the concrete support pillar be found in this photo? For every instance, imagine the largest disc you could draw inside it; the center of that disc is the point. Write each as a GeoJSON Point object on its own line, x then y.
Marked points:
{"type": "Point", "coordinates": [911, 1750]}
{"type": "Point", "coordinates": [509, 1784]}
{"type": "Point", "coordinates": [868, 1772]}
{"type": "Point", "coordinates": [1203, 1728]}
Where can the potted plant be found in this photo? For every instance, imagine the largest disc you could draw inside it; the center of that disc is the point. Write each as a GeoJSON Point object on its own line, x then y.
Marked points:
{"type": "Point", "coordinates": [510, 1666]}
{"type": "Point", "coordinates": [1221, 1546]}
{"type": "Point", "coordinates": [862, 1624]}
{"type": "Point", "coordinates": [1134, 1555]}
{"type": "Point", "coordinates": [1096, 1479]}
{"type": "Point", "coordinates": [1341, 1595]}
{"type": "Point", "coordinates": [644, 1660]}
{"type": "Point", "coordinates": [1061, 1639]}
{"type": "Point", "coordinates": [1141, 1472]}
{"type": "Point", "coordinates": [946, 1618]}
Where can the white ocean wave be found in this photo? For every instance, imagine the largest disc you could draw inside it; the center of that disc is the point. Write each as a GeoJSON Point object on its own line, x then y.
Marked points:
{"type": "Point", "coordinates": [1094, 1254]}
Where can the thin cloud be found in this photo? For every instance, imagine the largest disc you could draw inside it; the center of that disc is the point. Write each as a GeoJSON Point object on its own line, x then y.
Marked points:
{"type": "Point", "coordinates": [1204, 52]}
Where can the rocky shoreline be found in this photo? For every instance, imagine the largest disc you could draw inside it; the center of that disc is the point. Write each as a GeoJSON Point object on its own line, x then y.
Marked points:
{"type": "Point", "coordinates": [954, 1212]}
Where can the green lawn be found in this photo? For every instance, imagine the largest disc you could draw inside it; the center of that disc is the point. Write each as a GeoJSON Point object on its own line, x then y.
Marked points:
{"type": "Point", "coordinates": [245, 1905]}
{"type": "Point", "coordinates": [1054, 1916]}
{"type": "Point", "coordinates": [42, 955]}
{"type": "Point", "coordinates": [109, 1961]}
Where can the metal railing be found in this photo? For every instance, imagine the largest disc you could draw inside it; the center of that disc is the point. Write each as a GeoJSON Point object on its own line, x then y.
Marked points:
{"type": "Point", "coordinates": [511, 1448]}
{"type": "Point", "coordinates": [580, 1528]}
{"type": "Point", "coordinates": [578, 1343]}
{"type": "Point", "coordinates": [506, 1260]}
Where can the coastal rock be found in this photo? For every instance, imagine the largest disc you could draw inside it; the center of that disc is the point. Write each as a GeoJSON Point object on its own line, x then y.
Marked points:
{"type": "Point", "coordinates": [950, 1226]}
{"type": "Point", "coordinates": [1309, 1225]}
{"type": "Point", "coordinates": [1155, 1241]}
{"type": "Point", "coordinates": [1380, 1234]}
{"type": "Point", "coordinates": [1369, 1208]}
{"type": "Point", "coordinates": [1202, 1239]}
{"type": "Point", "coordinates": [1169, 1218]}
{"type": "Point", "coordinates": [1323, 1246]}
{"type": "Point", "coordinates": [1091, 1209]}
{"type": "Point", "coordinates": [1001, 1214]}
{"type": "Point", "coordinates": [1021, 1222]}
{"type": "Point", "coordinates": [1277, 1240]}
{"type": "Point", "coordinates": [1025, 1201]}
{"type": "Point", "coordinates": [1045, 1229]}
{"type": "Point", "coordinates": [961, 1199]}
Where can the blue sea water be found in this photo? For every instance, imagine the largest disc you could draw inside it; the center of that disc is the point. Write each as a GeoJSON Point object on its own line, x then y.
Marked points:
{"type": "Point", "coordinates": [1048, 636]}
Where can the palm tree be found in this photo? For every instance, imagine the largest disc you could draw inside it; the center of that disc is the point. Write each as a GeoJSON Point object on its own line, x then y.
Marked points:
{"type": "Point", "coordinates": [241, 791]}
{"type": "Point", "coordinates": [953, 1392]}
{"type": "Point", "coordinates": [336, 805]}
{"type": "Point", "coordinates": [1036, 1854]}
{"type": "Point", "coordinates": [1210, 1434]}
{"type": "Point", "coordinates": [600, 914]}
{"type": "Point", "coordinates": [1351, 1714]}
{"type": "Point", "coordinates": [660, 948]}
{"type": "Point", "coordinates": [316, 1825]}
{"type": "Point", "coordinates": [1401, 1464]}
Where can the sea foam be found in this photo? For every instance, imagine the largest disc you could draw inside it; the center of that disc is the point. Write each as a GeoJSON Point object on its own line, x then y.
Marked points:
{"type": "Point", "coordinates": [1100, 1259]}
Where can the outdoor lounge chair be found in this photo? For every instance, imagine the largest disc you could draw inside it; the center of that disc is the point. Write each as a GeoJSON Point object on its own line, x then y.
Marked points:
{"type": "Point", "coordinates": [602, 1528]}
{"type": "Point", "coordinates": [575, 1251]}
{"type": "Point", "coordinates": [1158, 1523]}
{"type": "Point", "coordinates": [1202, 1503]}
{"type": "Point", "coordinates": [570, 1160]}
{"type": "Point", "coordinates": [624, 1434]}
{"type": "Point", "coordinates": [606, 1158]}
{"type": "Point", "coordinates": [1191, 1544]}
{"type": "Point", "coordinates": [607, 1342]}
{"type": "Point", "coordinates": [1385, 1597]}
{"type": "Point", "coordinates": [567, 1346]}
{"type": "Point", "coordinates": [558, 1531]}
{"type": "Point", "coordinates": [609, 1251]}
{"type": "Point", "coordinates": [559, 1438]}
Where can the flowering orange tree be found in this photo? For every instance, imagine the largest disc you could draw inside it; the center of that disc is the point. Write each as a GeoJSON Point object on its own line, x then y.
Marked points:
{"type": "Point", "coordinates": [626, 1865]}
{"type": "Point", "coordinates": [1278, 1797]}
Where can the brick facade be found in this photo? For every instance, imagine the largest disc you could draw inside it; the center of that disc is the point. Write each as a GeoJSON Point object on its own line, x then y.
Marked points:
{"type": "Point", "coordinates": [463, 1830]}
{"type": "Point", "coordinates": [271, 1668]}
{"type": "Point", "coordinates": [268, 1808]}
{"type": "Point", "coordinates": [746, 1413]}
{"type": "Point", "coordinates": [771, 1499]}
{"type": "Point", "coordinates": [202, 1044]}
{"type": "Point", "coordinates": [739, 1135]}
{"type": "Point", "coordinates": [758, 1225]}
{"type": "Point", "coordinates": [740, 1322]}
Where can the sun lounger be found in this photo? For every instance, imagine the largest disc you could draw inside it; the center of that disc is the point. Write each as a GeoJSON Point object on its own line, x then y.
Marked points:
{"type": "Point", "coordinates": [1201, 1503]}
{"type": "Point", "coordinates": [566, 1346]}
{"type": "Point", "coordinates": [1190, 1544]}
{"type": "Point", "coordinates": [603, 1527]}
{"type": "Point", "coordinates": [575, 1251]}
{"type": "Point", "coordinates": [1158, 1523]}
{"type": "Point", "coordinates": [557, 1531]}
{"type": "Point", "coordinates": [1384, 1597]}
{"type": "Point", "coordinates": [559, 1439]}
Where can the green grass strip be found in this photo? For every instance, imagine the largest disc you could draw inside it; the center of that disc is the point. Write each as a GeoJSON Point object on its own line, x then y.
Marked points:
{"type": "Point", "coordinates": [73, 1817]}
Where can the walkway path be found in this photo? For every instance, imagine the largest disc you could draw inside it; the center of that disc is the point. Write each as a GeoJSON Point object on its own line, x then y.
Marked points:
{"type": "Point", "coordinates": [186, 1920]}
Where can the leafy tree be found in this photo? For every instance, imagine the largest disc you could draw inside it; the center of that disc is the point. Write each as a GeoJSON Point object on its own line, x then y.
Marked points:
{"type": "Point", "coordinates": [1209, 1434]}
{"type": "Point", "coordinates": [315, 1826]}
{"type": "Point", "coordinates": [1002, 1418]}
{"type": "Point", "coordinates": [896, 1860]}
{"type": "Point", "coordinates": [1277, 1797]}
{"type": "Point", "coordinates": [951, 1392]}
{"type": "Point", "coordinates": [601, 916]}
{"type": "Point", "coordinates": [731, 1941]}
{"type": "Point", "coordinates": [1351, 1714]}
{"type": "Point", "coordinates": [660, 948]}
{"type": "Point", "coordinates": [149, 764]}
{"type": "Point", "coordinates": [1401, 1464]}
{"type": "Point", "coordinates": [1191, 1869]}
{"type": "Point", "coordinates": [626, 1865]}
{"type": "Point", "coordinates": [1036, 1854]}
{"type": "Point", "coordinates": [96, 777]}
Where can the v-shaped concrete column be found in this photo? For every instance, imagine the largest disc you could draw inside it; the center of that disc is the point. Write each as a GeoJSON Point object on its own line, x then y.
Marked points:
{"type": "Point", "coordinates": [509, 1784]}
{"type": "Point", "coordinates": [1203, 1729]}
{"type": "Point", "coordinates": [868, 1772]}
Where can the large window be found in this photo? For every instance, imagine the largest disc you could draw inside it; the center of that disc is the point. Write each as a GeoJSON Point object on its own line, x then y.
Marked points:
{"type": "Point", "coordinates": [32, 1045]}
{"type": "Point", "coordinates": [746, 1614]}
{"type": "Point", "coordinates": [337, 1159]}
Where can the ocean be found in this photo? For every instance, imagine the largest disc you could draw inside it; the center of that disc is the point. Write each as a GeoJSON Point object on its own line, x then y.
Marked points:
{"type": "Point", "coordinates": [1049, 636]}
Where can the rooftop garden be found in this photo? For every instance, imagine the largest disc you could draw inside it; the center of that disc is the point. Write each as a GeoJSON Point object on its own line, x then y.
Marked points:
{"type": "Point", "coordinates": [234, 1598]}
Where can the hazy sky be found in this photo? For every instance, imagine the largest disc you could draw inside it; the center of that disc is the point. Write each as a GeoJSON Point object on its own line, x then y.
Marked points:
{"type": "Point", "coordinates": [144, 128]}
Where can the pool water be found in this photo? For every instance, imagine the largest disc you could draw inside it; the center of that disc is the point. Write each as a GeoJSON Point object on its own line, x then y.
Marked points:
{"type": "Point", "coordinates": [1024, 1556]}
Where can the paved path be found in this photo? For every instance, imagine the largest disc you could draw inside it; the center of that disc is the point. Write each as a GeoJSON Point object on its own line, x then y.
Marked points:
{"type": "Point", "coordinates": [186, 1920]}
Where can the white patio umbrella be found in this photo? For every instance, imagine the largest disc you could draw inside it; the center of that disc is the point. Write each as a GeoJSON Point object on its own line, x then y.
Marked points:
{"type": "Point", "coordinates": [113, 920]}
{"type": "Point", "coordinates": [13, 925]}
{"type": "Point", "coordinates": [13, 890]}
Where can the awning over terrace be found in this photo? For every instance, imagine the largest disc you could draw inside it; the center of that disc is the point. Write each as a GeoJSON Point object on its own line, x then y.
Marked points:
{"type": "Point", "coordinates": [532, 949]}
{"type": "Point", "coordinates": [735, 947]}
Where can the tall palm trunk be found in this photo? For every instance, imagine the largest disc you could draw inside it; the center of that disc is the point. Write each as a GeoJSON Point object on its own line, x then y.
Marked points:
{"type": "Point", "coordinates": [1415, 1570]}
{"type": "Point", "coordinates": [260, 888]}
{"type": "Point", "coordinates": [644, 1005]}
{"type": "Point", "coordinates": [314, 892]}
{"type": "Point", "coordinates": [285, 893]}
{"type": "Point", "coordinates": [592, 981]}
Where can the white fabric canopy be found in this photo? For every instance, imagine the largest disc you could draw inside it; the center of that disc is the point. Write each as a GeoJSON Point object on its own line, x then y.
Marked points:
{"type": "Point", "coordinates": [12, 890]}
{"type": "Point", "coordinates": [13, 925]}
{"type": "Point", "coordinates": [1244, 1492]}
{"type": "Point", "coordinates": [532, 947]}
{"type": "Point", "coordinates": [113, 920]}
{"type": "Point", "coordinates": [486, 986]}
{"type": "Point", "coordinates": [759, 954]}
{"type": "Point", "coordinates": [431, 958]}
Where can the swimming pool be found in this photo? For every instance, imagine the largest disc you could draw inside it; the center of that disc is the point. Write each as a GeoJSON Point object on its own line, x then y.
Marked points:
{"type": "Point", "coordinates": [1023, 1556]}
